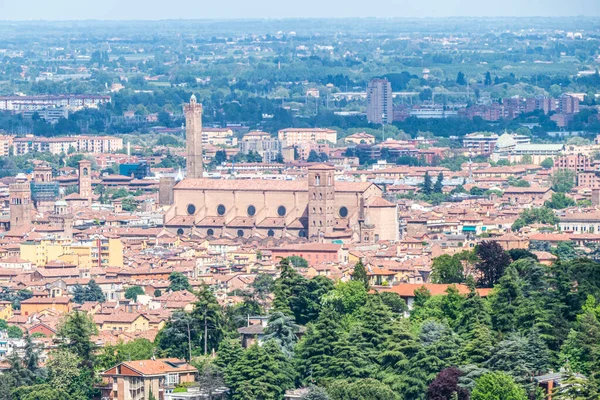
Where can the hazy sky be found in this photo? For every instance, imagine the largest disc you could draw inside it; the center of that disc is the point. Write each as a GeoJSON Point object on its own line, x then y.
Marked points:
{"type": "Point", "coordinates": [199, 9]}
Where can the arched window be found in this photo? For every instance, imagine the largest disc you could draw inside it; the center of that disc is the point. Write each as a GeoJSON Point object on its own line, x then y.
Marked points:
{"type": "Point", "coordinates": [317, 180]}
{"type": "Point", "coordinates": [251, 210]}
{"type": "Point", "coordinates": [210, 232]}
{"type": "Point", "coordinates": [221, 209]}
{"type": "Point", "coordinates": [270, 233]}
{"type": "Point", "coordinates": [191, 209]}
{"type": "Point", "coordinates": [240, 232]}
{"type": "Point", "coordinates": [180, 231]}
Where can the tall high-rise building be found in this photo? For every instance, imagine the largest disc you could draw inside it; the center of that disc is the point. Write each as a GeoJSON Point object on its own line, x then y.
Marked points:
{"type": "Point", "coordinates": [379, 102]}
{"type": "Point", "coordinates": [193, 133]}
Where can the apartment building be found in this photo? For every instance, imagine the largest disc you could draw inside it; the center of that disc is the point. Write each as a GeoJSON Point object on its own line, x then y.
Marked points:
{"type": "Point", "coordinates": [480, 143]}
{"type": "Point", "coordinates": [6, 142]}
{"type": "Point", "coordinates": [219, 137]}
{"type": "Point", "coordinates": [294, 136]}
{"type": "Point", "coordinates": [268, 147]}
{"type": "Point", "coordinates": [380, 107]}
{"type": "Point", "coordinates": [60, 145]}
{"type": "Point", "coordinates": [33, 103]}
{"type": "Point", "coordinates": [145, 379]}
{"type": "Point", "coordinates": [573, 162]}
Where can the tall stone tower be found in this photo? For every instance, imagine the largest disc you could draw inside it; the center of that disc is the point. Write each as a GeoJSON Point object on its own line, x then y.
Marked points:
{"type": "Point", "coordinates": [20, 205]}
{"type": "Point", "coordinates": [193, 133]}
{"type": "Point", "coordinates": [85, 180]}
{"type": "Point", "coordinates": [321, 200]}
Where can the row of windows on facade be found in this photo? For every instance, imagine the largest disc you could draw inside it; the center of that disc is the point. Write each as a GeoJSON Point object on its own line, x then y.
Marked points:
{"type": "Point", "coordinates": [240, 232]}
{"type": "Point", "coordinates": [251, 210]}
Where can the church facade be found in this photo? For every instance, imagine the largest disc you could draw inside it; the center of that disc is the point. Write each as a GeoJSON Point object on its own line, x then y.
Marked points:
{"type": "Point", "coordinates": [318, 208]}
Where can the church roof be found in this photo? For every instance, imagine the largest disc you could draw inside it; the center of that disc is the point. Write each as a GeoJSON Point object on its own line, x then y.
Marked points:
{"type": "Point", "coordinates": [380, 202]}
{"type": "Point", "coordinates": [321, 166]}
{"type": "Point", "coordinates": [263, 185]}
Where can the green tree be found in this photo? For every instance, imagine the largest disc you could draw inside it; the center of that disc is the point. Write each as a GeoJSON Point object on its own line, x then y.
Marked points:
{"type": "Point", "coordinates": [14, 332]}
{"type": "Point", "coordinates": [582, 348]}
{"type": "Point", "coordinates": [548, 163]}
{"type": "Point", "coordinates": [315, 393]}
{"type": "Point", "coordinates": [132, 292]}
{"type": "Point", "coordinates": [209, 319]}
{"type": "Point", "coordinates": [460, 79]}
{"type": "Point", "coordinates": [575, 387]}
{"type": "Point", "coordinates": [426, 186]}
{"type": "Point", "coordinates": [21, 376]}
{"type": "Point", "coordinates": [282, 329]}
{"type": "Point", "coordinates": [488, 79]}
{"type": "Point", "coordinates": [89, 292]}
{"type": "Point", "coordinates": [396, 361]}
{"type": "Point", "coordinates": [559, 201]}
{"type": "Point", "coordinates": [40, 392]}
{"type": "Point", "coordinates": [563, 180]}
{"type": "Point", "coordinates": [447, 269]}
{"type": "Point", "coordinates": [63, 372]}
{"type": "Point", "coordinates": [394, 301]}
{"type": "Point", "coordinates": [566, 251]}
{"type": "Point", "coordinates": [228, 354]}
{"type": "Point", "coordinates": [362, 389]}
{"type": "Point", "coordinates": [298, 262]}
{"type": "Point", "coordinates": [315, 351]}
{"type": "Point", "coordinates": [138, 349]}
{"type": "Point", "coordinates": [263, 372]}
{"type": "Point", "coordinates": [438, 186]}
{"type": "Point", "coordinates": [506, 299]}
{"type": "Point", "coordinates": [497, 386]}
{"type": "Point", "coordinates": [543, 215]}
{"type": "Point", "coordinates": [360, 274]}
{"type": "Point", "coordinates": [178, 281]}
{"type": "Point", "coordinates": [347, 297]}
{"type": "Point", "coordinates": [76, 330]}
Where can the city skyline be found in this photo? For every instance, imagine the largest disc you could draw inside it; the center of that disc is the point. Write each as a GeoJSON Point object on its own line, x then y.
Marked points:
{"type": "Point", "coordinates": [184, 9]}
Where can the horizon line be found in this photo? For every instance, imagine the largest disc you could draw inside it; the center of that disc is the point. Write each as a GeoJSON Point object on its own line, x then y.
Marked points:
{"type": "Point", "coordinates": [304, 18]}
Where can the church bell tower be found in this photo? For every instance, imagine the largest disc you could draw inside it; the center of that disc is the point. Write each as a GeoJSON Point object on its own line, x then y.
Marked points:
{"type": "Point", "coordinates": [193, 134]}
{"type": "Point", "coordinates": [321, 200]}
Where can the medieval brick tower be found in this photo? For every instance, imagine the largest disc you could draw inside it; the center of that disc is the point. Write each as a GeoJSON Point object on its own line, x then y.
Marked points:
{"type": "Point", "coordinates": [193, 133]}
{"type": "Point", "coordinates": [321, 200]}
{"type": "Point", "coordinates": [20, 205]}
{"type": "Point", "coordinates": [85, 180]}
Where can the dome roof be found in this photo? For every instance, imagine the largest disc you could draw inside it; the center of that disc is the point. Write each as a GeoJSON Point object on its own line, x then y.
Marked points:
{"type": "Point", "coordinates": [505, 140]}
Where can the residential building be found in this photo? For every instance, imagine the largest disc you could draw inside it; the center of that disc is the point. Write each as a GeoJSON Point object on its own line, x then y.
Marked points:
{"type": "Point", "coordinates": [360, 138]}
{"type": "Point", "coordinates": [139, 380]}
{"type": "Point", "coordinates": [480, 143]}
{"type": "Point", "coordinates": [219, 137]}
{"type": "Point", "coordinates": [269, 148]}
{"type": "Point", "coordinates": [24, 103]}
{"type": "Point", "coordinates": [294, 136]}
{"type": "Point", "coordinates": [568, 104]}
{"type": "Point", "coordinates": [6, 143]}
{"type": "Point", "coordinates": [573, 162]}
{"type": "Point", "coordinates": [580, 222]}
{"type": "Point", "coordinates": [63, 145]}
{"type": "Point", "coordinates": [380, 106]}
